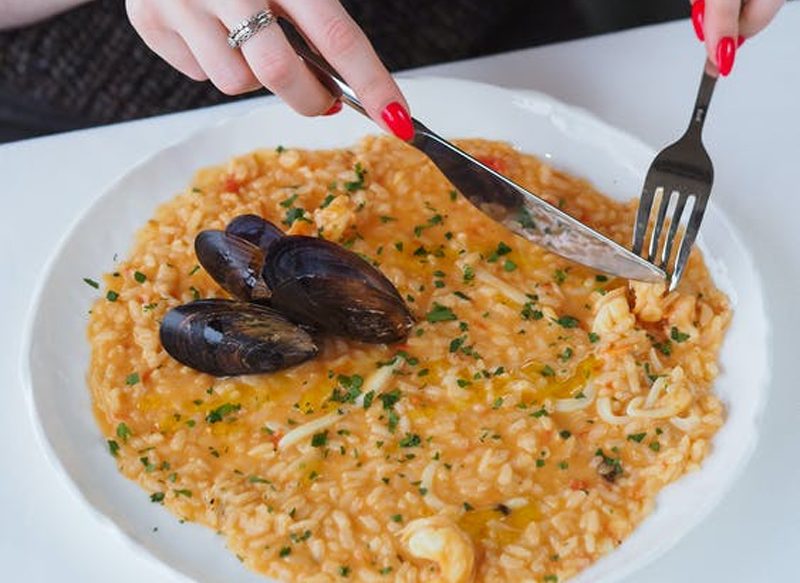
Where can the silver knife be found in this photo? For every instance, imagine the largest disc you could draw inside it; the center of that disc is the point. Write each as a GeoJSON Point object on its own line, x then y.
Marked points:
{"type": "Point", "coordinates": [506, 202]}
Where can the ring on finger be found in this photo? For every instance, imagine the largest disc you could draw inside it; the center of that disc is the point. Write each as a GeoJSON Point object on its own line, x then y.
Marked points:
{"type": "Point", "coordinates": [249, 27]}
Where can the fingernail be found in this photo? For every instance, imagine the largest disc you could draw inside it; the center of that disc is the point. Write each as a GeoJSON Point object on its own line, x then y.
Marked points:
{"type": "Point", "coordinates": [397, 119]}
{"type": "Point", "coordinates": [740, 41]}
{"type": "Point", "coordinates": [335, 108]}
{"type": "Point", "coordinates": [698, 13]}
{"type": "Point", "coordinates": [726, 53]}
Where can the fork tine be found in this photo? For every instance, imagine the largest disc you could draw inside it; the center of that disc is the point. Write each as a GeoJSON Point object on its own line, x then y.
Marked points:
{"type": "Point", "coordinates": [643, 214]}
{"type": "Point", "coordinates": [666, 196]}
{"type": "Point", "coordinates": [688, 240]}
{"type": "Point", "coordinates": [673, 229]}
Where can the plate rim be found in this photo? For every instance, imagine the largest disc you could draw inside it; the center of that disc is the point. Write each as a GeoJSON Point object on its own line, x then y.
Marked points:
{"type": "Point", "coordinates": [585, 116]}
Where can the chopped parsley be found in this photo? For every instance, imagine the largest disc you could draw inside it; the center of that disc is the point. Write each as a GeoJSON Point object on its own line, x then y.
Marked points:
{"type": "Point", "coordinates": [664, 348]}
{"type": "Point", "coordinates": [358, 183]}
{"type": "Point", "coordinates": [547, 371]}
{"type": "Point", "coordinates": [566, 354]}
{"type": "Point", "coordinates": [132, 379]}
{"type": "Point", "coordinates": [112, 296]}
{"type": "Point", "coordinates": [113, 447]}
{"type": "Point", "coordinates": [157, 497]}
{"type": "Point", "coordinates": [124, 432]}
{"type": "Point", "coordinates": [469, 273]}
{"type": "Point", "coordinates": [655, 446]}
{"type": "Point", "coordinates": [91, 282]}
{"type": "Point", "coordinates": [678, 336]}
{"type": "Point", "coordinates": [368, 398]}
{"type": "Point", "coordinates": [293, 215]}
{"type": "Point", "coordinates": [456, 343]}
{"type": "Point", "coordinates": [352, 388]}
{"type": "Point", "coordinates": [183, 492]}
{"type": "Point", "coordinates": [397, 518]}
{"type": "Point", "coordinates": [410, 440]}
{"type": "Point", "coordinates": [529, 313]}
{"type": "Point", "coordinates": [327, 201]}
{"type": "Point", "coordinates": [394, 419]}
{"type": "Point", "coordinates": [509, 265]}
{"type": "Point", "coordinates": [436, 219]}
{"type": "Point", "coordinates": [565, 434]}
{"type": "Point", "coordinates": [502, 249]}
{"type": "Point", "coordinates": [344, 570]}
{"type": "Point", "coordinates": [637, 437]}
{"type": "Point", "coordinates": [285, 552]}
{"type": "Point", "coordinates": [320, 439]}
{"type": "Point", "coordinates": [289, 202]}
{"type": "Point", "coordinates": [567, 322]}
{"type": "Point", "coordinates": [610, 468]}
{"type": "Point", "coordinates": [560, 276]}
{"type": "Point", "coordinates": [594, 338]}
{"type": "Point", "coordinates": [139, 277]}
{"type": "Point", "coordinates": [389, 399]}
{"type": "Point", "coordinates": [440, 313]}
{"type": "Point", "coordinates": [219, 414]}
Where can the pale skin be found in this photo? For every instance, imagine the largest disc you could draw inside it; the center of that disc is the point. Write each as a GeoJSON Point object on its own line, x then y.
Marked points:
{"type": "Point", "coordinates": [191, 36]}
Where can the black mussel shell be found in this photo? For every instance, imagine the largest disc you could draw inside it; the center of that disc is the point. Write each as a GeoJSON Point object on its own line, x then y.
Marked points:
{"type": "Point", "coordinates": [255, 230]}
{"type": "Point", "coordinates": [233, 263]}
{"type": "Point", "coordinates": [321, 284]}
{"type": "Point", "coordinates": [225, 337]}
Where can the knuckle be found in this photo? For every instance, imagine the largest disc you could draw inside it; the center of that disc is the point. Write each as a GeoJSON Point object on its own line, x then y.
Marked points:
{"type": "Point", "coordinates": [277, 71]}
{"type": "Point", "coordinates": [141, 14]}
{"type": "Point", "coordinates": [340, 36]}
{"type": "Point", "coordinates": [232, 83]}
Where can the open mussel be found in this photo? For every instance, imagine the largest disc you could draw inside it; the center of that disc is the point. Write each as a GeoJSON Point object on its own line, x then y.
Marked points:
{"type": "Point", "coordinates": [234, 263]}
{"type": "Point", "coordinates": [321, 284]}
{"type": "Point", "coordinates": [255, 230]}
{"type": "Point", "coordinates": [225, 337]}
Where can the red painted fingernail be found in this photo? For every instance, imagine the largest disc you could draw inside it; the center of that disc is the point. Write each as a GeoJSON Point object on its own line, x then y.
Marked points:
{"type": "Point", "coordinates": [726, 53]}
{"type": "Point", "coordinates": [740, 41]}
{"type": "Point", "coordinates": [398, 120]}
{"type": "Point", "coordinates": [335, 108]}
{"type": "Point", "coordinates": [698, 13]}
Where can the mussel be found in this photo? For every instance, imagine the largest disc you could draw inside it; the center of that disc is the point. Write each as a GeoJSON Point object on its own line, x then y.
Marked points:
{"type": "Point", "coordinates": [321, 284]}
{"type": "Point", "coordinates": [225, 337]}
{"type": "Point", "coordinates": [234, 263]}
{"type": "Point", "coordinates": [255, 230]}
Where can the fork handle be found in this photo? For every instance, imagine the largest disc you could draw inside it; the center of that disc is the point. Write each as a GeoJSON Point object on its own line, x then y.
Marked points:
{"type": "Point", "coordinates": [704, 93]}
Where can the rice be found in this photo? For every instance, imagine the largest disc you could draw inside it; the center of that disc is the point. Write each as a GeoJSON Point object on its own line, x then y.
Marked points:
{"type": "Point", "coordinates": [535, 418]}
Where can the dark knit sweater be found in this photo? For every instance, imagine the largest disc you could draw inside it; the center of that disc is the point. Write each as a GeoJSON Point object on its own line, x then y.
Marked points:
{"type": "Point", "coordinates": [88, 66]}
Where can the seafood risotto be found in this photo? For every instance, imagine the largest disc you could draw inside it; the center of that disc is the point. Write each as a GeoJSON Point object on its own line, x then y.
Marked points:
{"type": "Point", "coordinates": [521, 432]}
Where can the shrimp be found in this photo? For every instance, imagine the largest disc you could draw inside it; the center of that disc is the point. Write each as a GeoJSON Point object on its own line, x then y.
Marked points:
{"type": "Point", "coordinates": [438, 539]}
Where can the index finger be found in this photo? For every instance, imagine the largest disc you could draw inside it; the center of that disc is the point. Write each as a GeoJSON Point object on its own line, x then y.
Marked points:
{"type": "Point", "coordinates": [340, 40]}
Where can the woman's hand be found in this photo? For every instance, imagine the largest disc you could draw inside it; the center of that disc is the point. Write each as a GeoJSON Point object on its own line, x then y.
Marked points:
{"type": "Point", "coordinates": [192, 35]}
{"type": "Point", "coordinates": [725, 24]}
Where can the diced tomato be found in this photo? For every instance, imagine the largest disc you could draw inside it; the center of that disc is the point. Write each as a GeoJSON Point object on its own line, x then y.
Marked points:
{"type": "Point", "coordinates": [496, 164]}
{"type": "Point", "coordinates": [275, 437]}
{"type": "Point", "coordinates": [579, 485]}
{"type": "Point", "coordinates": [232, 185]}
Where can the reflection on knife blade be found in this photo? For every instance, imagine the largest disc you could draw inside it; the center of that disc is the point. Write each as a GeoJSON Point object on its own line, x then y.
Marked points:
{"type": "Point", "coordinates": [529, 216]}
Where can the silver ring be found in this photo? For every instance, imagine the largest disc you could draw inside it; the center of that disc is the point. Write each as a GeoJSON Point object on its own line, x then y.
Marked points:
{"type": "Point", "coordinates": [249, 27]}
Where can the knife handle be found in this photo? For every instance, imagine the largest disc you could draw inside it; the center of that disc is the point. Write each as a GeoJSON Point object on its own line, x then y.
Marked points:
{"type": "Point", "coordinates": [326, 74]}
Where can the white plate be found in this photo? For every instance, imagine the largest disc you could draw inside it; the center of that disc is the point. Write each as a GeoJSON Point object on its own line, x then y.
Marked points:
{"type": "Point", "coordinates": [57, 352]}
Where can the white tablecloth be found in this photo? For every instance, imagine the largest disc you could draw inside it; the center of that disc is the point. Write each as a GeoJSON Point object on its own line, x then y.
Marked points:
{"type": "Point", "coordinates": [642, 81]}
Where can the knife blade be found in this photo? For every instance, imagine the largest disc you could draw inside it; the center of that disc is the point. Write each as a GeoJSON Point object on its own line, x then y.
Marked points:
{"type": "Point", "coordinates": [508, 203]}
